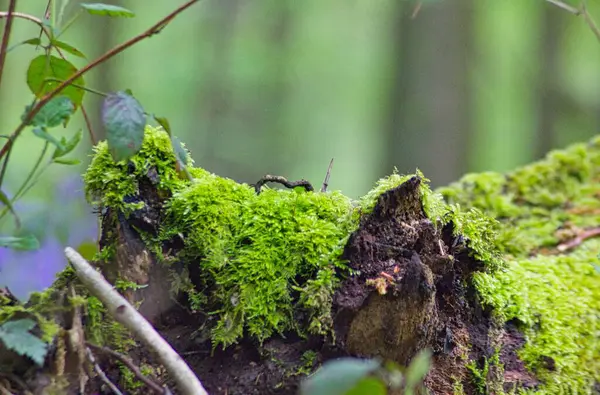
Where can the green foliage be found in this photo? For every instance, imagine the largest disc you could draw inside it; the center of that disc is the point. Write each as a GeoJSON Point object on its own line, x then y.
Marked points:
{"type": "Point", "coordinates": [45, 73]}
{"type": "Point", "coordinates": [107, 9]}
{"type": "Point", "coordinates": [353, 376]}
{"type": "Point", "coordinates": [28, 242]}
{"type": "Point", "coordinates": [124, 119]}
{"type": "Point", "coordinates": [56, 111]}
{"type": "Point", "coordinates": [339, 377]}
{"type": "Point", "coordinates": [16, 336]}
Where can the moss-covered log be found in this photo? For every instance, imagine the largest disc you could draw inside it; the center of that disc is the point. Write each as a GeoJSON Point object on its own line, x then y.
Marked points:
{"type": "Point", "coordinates": [496, 274]}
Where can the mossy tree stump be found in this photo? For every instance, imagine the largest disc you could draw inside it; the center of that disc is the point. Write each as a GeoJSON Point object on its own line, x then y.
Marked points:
{"type": "Point", "coordinates": [496, 274]}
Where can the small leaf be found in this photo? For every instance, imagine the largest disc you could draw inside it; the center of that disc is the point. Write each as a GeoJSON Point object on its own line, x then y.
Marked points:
{"type": "Point", "coordinates": [180, 153]}
{"type": "Point", "coordinates": [68, 146]}
{"type": "Point", "coordinates": [368, 386]}
{"type": "Point", "coordinates": [69, 162]}
{"type": "Point", "coordinates": [418, 368]}
{"type": "Point", "coordinates": [124, 119]}
{"type": "Point", "coordinates": [6, 201]}
{"type": "Point", "coordinates": [44, 67]}
{"type": "Point", "coordinates": [41, 133]}
{"type": "Point", "coordinates": [107, 9]}
{"type": "Point", "coordinates": [32, 41]}
{"type": "Point", "coordinates": [56, 111]}
{"type": "Point", "coordinates": [337, 377]}
{"type": "Point", "coordinates": [15, 335]}
{"type": "Point", "coordinates": [164, 122]}
{"type": "Point", "coordinates": [69, 48]}
{"type": "Point", "coordinates": [28, 242]}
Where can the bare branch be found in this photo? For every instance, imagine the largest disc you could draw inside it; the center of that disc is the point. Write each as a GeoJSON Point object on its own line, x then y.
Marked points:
{"type": "Point", "coordinates": [5, 37]}
{"type": "Point", "coordinates": [128, 316]}
{"type": "Point", "coordinates": [327, 175]}
{"type": "Point", "coordinates": [100, 372]}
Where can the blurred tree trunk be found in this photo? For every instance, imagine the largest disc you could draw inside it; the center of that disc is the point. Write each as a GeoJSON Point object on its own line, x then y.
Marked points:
{"type": "Point", "coordinates": [429, 114]}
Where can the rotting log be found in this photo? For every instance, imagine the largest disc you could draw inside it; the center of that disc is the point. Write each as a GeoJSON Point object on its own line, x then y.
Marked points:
{"type": "Point", "coordinates": [497, 274]}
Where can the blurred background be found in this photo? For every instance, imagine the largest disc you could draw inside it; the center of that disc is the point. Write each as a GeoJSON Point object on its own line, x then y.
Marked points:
{"type": "Point", "coordinates": [258, 87]}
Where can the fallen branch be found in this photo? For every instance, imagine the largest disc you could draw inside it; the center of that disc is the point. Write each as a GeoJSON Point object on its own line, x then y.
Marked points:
{"type": "Point", "coordinates": [101, 373]}
{"type": "Point", "coordinates": [128, 316]}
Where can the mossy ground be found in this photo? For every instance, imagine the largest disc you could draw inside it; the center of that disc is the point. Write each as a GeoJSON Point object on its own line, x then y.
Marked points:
{"type": "Point", "coordinates": [553, 295]}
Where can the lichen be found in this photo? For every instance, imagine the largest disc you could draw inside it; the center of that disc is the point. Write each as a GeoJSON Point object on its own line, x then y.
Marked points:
{"type": "Point", "coordinates": [554, 296]}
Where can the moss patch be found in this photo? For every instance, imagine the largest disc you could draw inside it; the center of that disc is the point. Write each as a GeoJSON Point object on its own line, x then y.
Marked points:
{"type": "Point", "coordinates": [553, 295]}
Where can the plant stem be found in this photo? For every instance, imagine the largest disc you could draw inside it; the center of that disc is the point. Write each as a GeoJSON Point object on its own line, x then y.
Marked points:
{"type": "Point", "coordinates": [11, 9]}
{"type": "Point", "coordinates": [155, 29]}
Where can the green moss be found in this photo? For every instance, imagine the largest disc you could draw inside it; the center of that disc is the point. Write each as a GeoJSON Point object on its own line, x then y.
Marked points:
{"type": "Point", "coordinates": [261, 256]}
{"type": "Point", "coordinates": [107, 182]}
{"type": "Point", "coordinates": [555, 298]}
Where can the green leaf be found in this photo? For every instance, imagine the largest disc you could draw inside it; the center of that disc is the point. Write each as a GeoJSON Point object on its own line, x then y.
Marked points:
{"type": "Point", "coordinates": [124, 119]}
{"type": "Point", "coordinates": [180, 152]}
{"type": "Point", "coordinates": [31, 41]}
{"type": "Point", "coordinates": [6, 201]}
{"type": "Point", "coordinates": [41, 133]}
{"type": "Point", "coordinates": [368, 386]}
{"type": "Point", "coordinates": [15, 335]}
{"type": "Point", "coordinates": [28, 242]}
{"type": "Point", "coordinates": [68, 145]}
{"type": "Point", "coordinates": [56, 111]}
{"type": "Point", "coordinates": [107, 9]}
{"type": "Point", "coordinates": [337, 377]}
{"type": "Point", "coordinates": [418, 368]}
{"type": "Point", "coordinates": [69, 162]}
{"type": "Point", "coordinates": [44, 67]}
{"type": "Point", "coordinates": [164, 122]}
{"type": "Point", "coordinates": [68, 48]}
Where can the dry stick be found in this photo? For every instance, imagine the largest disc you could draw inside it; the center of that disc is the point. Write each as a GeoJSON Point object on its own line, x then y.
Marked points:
{"type": "Point", "coordinates": [327, 175]}
{"type": "Point", "coordinates": [130, 365]}
{"type": "Point", "coordinates": [100, 372]}
{"type": "Point", "coordinates": [581, 11]}
{"type": "Point", "coordinates": [580, 238]}
{"type": "Point", "coordinates": [11, 9]}
{"type": "Point", "coordinates": [128, 316]}
{"type": "Point", "coordinates": [155, 29]}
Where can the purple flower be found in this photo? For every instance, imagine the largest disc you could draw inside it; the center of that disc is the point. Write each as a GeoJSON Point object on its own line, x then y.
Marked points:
{"type": "Point", "coordinates": [23, 272]}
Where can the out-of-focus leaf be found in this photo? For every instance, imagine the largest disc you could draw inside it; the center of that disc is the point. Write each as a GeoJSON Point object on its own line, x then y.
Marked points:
{"type": "Point", "coordinates": [418, 368]}
{"type": "Point", "coordinates": [368, 386]}
{"type": "Point", "coordinates": [28, 242]}
{"type": "Point", "coordinates": [87, 250]}
{"type": "Point", "coordinates": [56, 111]}
{"type": "Point", "coordinates": [337, 377]}
{"type": "Point", "coordinates": [41, 133]}
{"type": "Point", "coordinates": [69, 162]}
{"type": "Point", "coordinates": [164, 122]}
{"type": "Point", "coordinates": [6, 201]}
{"type": "Point", "coordinates": [180, 152]}
{"type": "Point", "coordinates": [15, 336]}
{"type": "Point", "coordinates": [107, 9]}
{"type": "Point", "coordinates": [124, 119]}
{"type": "Point", "coordinates": [68, 145]}
{"type": "Point", "coordinates": [43, 67]}
{"type": "Point", "coordinates": [68, 48]}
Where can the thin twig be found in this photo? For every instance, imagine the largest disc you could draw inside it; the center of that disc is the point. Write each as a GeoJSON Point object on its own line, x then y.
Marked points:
{"type": "Point", "coordinates": [100, 372]}
{"type": "Point", "coordinates": [580, 238]}
{"type": "Point", "coordinates": [416, 10]}
{"type": "Point", "coordinates": [37, 21]}
{"type": "Point", "coordinates": [4, 391]}
{"type": "Point", "coordinates": [327, 175]}
{"type": "Point", "coordinates": [581, 11]}
{"type": "Point", "coordinates": [6, 35]}
{"type": "Point", "coordinates": [283, 181]}
{"type": "Point", "coordinates": [124, 313]}
{"type": "Point", "coordinates": [130, 365]}
{"type": "Point", "coordinates": [155, 29]}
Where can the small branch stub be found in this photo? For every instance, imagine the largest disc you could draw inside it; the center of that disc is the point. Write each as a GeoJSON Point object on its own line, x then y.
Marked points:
{"type": "Point", "coordinates": [283, 181]}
